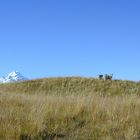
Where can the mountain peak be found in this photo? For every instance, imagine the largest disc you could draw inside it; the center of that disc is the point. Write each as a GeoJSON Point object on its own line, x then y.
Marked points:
{"type": "Point", "coordinates": [14, 76]}
{"type": "Point", "coordinates": [14, 73]}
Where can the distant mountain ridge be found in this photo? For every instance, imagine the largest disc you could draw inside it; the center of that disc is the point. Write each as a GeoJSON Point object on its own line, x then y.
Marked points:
{"type": "Point", "coordinates": [14, 76]}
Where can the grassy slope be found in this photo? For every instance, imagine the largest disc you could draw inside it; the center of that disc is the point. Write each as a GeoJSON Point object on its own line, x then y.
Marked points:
{"type": "Point", "coordinates": [73, 85]}
{"type": "Point", "coordinates": [70, 108]}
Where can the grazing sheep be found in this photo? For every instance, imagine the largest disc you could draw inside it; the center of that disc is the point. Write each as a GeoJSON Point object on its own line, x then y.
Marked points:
{"type": "Point", "coordinates": [108, 76]}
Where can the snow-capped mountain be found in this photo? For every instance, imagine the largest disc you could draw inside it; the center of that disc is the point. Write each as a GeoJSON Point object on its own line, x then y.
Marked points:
{"type": "Point", "coordinates": [14, 76]}
{"type": "Point", "coordinates": [2, 79]}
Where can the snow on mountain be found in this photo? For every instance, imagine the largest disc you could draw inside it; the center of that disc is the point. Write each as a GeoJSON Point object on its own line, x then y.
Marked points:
{"type": "Point", "coordinates": [2, 79]}
{"type": "Point", "coordinates": [14, 76]}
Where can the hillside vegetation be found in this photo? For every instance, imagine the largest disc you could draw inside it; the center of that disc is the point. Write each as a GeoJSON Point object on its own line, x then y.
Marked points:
{"type": "Point", "coordinates": [72, 85]}
{"type": "Point", "coordinates": [71, 108]}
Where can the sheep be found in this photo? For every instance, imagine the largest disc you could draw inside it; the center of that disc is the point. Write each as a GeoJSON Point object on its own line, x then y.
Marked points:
{"type": "Point", "coordinates": [108, 76]}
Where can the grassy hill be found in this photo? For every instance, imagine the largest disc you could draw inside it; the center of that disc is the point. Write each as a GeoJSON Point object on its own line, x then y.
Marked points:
{"type": "Point", "coordinates": [70, 108]}
{"type": "Point", "coordinates": [72, 85]}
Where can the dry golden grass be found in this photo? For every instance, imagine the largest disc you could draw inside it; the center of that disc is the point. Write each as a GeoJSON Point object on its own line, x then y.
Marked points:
{"type": "Point", "coordinates": [72, 85]}
{"type": "Point", "coordinates": [69, 117]}
{"type": "Point", "coordinates": [70, 109]}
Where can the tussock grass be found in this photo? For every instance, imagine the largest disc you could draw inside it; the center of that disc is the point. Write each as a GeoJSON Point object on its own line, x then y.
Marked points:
{"type": "Point", "coordinates": [72, 108]}
{"type": "Point", "coordinates": [72, 85]}
{"type": "Point", "coordinates": [69, 117]}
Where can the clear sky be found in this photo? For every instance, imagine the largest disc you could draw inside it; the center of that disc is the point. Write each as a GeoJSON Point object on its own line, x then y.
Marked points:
{"type": "Point", "coordinates": [45, 38]}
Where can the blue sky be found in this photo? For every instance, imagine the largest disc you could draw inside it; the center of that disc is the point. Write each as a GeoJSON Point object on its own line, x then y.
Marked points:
{"type": "Point", "coordinates": [48, 38]}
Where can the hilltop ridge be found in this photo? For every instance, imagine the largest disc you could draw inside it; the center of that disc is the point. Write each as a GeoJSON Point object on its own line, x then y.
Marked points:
{"type": "Point", "coordinates": [74, 85]}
